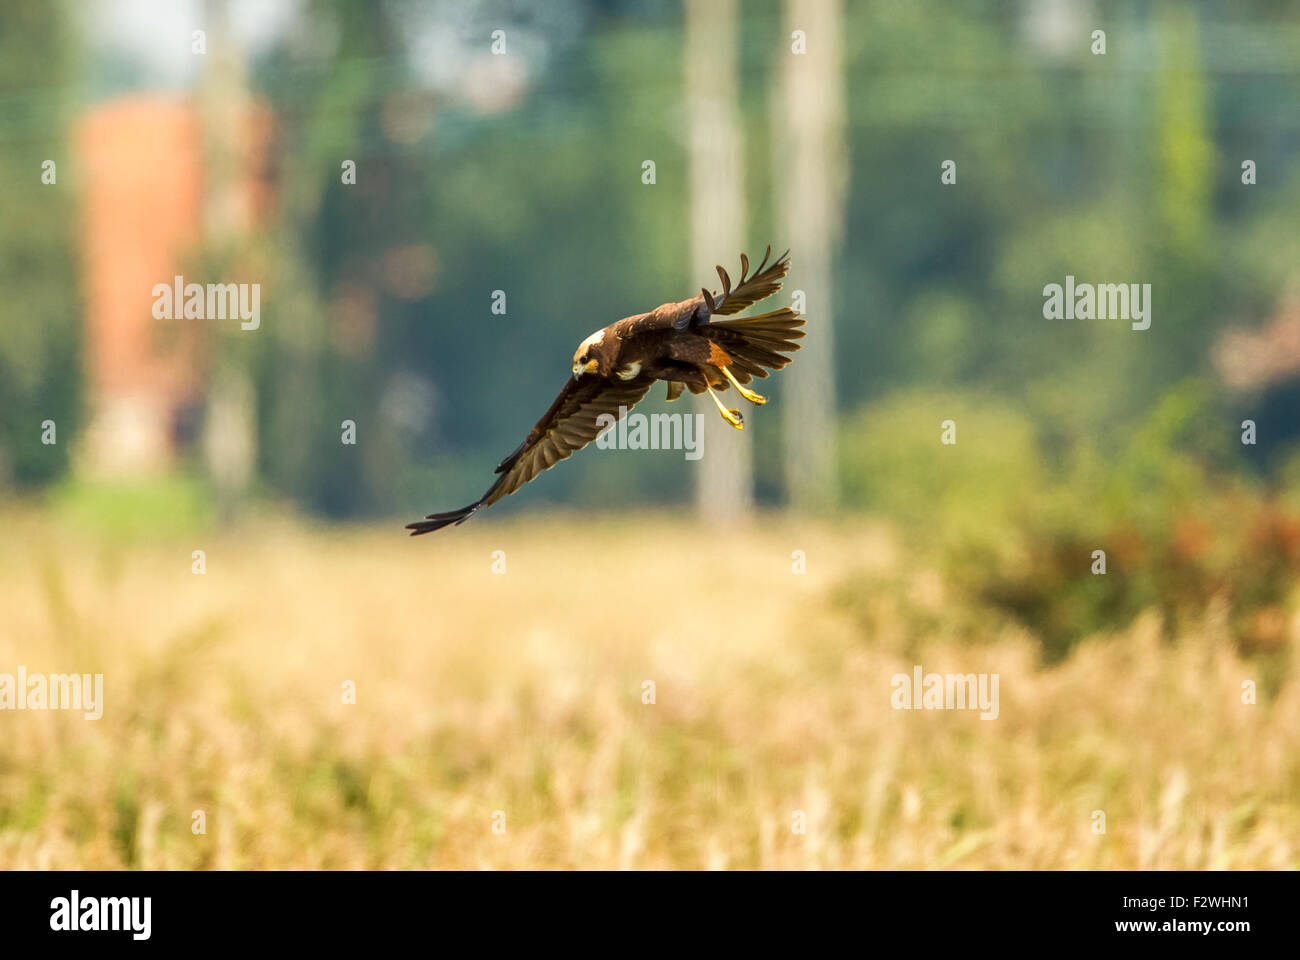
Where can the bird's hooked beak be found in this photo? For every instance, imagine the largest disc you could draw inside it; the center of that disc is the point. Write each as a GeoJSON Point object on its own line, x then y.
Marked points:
{"type": "Point", "coordinates": [591, 366]}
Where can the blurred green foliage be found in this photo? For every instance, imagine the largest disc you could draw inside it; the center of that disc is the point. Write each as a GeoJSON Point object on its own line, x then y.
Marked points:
{"type": "Point", "coordinates": [40, 319]}
{"type": "Point", "coordinates": [134, 509]}
{"type": "Point", "coordinates": [1016, 532]}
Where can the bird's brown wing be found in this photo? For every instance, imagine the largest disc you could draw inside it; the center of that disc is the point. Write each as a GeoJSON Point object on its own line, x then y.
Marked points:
{"type": "Point", "coordinates": [750, 290]}
{"type": "Point", "coordinates": [569, 425]}
{"type": "Point", "coordinates": [765, 281]}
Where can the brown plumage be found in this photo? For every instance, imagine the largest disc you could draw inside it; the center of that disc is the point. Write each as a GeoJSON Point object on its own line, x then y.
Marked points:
{"type": "Point", "coordinates": [680, 343]}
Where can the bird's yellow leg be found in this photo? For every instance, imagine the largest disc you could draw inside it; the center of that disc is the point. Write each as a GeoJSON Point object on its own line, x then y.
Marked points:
{"type": "Point", "coordinates": [732, 417]}
{"type": "Point", "coordinates": [748, 394]}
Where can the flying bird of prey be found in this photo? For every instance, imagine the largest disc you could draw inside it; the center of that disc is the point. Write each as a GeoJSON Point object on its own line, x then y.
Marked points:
{"type": "Point", "coordinates": [680, 343]}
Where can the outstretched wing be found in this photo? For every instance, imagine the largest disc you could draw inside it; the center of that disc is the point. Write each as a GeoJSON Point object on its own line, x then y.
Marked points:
{"type": "Point", "coordinates": [751, 289]}
{"type": "Point", "coordinates": [697, 310]}
{"type": "Point", "coordinates": [569, 425]}
{"type": "Point", "coordinates": [760, 286]}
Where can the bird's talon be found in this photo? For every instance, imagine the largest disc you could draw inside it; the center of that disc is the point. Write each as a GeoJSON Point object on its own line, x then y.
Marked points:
{"type": "Point", "coordinates": [755, 398]}
{"type": "Point", "coordinates": [732, 417]}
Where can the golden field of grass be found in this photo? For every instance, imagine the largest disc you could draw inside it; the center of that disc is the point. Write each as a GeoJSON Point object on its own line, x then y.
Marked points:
{"type": "Point", "coordinates": [515, 699]}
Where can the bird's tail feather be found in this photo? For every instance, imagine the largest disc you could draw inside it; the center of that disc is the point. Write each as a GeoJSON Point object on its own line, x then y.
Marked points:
{"type": "Point", "coordinates": [758, 342]}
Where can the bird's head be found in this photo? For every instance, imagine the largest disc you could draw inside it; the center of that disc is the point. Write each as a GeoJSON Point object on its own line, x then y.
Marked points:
{"type": "Point", "coordinates": [587, 358]}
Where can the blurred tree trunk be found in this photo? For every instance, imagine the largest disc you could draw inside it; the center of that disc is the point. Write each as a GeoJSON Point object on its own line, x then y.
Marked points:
{"type": "Point", "coordinates": [229, 431]}
{"type": "Point", "coordinates": [724, 479]}
{"type": "Point", "coordinates": [810, 169]}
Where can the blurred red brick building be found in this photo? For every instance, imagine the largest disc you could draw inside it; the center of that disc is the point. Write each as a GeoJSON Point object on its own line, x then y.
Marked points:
{"type": "Point", "coordinates": [148, 203]}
